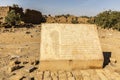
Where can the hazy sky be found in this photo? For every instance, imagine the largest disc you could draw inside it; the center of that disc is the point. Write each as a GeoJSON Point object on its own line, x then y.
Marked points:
{"type": "Point", "coordinates": [75, 7]}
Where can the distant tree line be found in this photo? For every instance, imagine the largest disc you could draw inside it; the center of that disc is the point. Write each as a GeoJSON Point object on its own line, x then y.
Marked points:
{"type": "Point", "coordinates": [107, 19]}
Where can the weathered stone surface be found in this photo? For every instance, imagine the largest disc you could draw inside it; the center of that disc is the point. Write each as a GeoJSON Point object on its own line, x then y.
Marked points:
{"type": "Point", "coordinates": [69, 74]}
{"type": "Point", "coordinates": [70, 46]}
{"type": "Point", "coordinates": [101, 75]}
{"type": "Point", "coordinates": [87, 74]}
{"type": "Point", "coordinates": [15, 77]}
{"type": "Point", "coordinates": [5, 9]}
{"type": "Point", "coordinates": [32, 16]}
{"type": "Point", "coordinates": [3, 13]}
{"type": "Point", "coordinates": [71, 78]}
{"type": "Point", "coordinates": [46, 74]}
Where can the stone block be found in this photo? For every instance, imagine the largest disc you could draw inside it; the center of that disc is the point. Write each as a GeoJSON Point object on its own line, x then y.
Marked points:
{"type": "Point", "coordinates": [70, 46]}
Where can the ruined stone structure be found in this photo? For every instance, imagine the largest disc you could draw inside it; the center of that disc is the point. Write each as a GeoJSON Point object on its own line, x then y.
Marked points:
{"type": "Point", "coordinates": [30, 16]}
{"type": "Point", "coordinates": [66, 19]}
{"type": "Point", "coordinates": [5, 9]}
{"type": "Point", "coordinates": [70, 46]}
{"type": "Point", "coordinates": [3, 12]}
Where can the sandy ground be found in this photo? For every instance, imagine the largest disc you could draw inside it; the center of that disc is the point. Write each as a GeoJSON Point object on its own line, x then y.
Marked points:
{"type": "Point", "coordinates": [110, 42]}
{"type": "Point", "coordinates": [18, 45]}
{"type": "Point", "coordinates": [19, 57]}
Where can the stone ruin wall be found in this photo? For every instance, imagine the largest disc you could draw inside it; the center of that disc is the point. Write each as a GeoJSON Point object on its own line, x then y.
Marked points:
{"type": "Point", "coordinates": [3, 13]}
{"type": "Point", "coordinates": [5, 9]}
{"type": "Point", "coordinates": [30, 16]}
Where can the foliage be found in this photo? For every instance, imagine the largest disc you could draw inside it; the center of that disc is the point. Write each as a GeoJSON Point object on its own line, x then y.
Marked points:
{"type": "Point", "coordinates": [117, 26]}
{"type": "Point", "coordinates": [15, 6]}
{"type": "Point", "coordinates": [12, 18]}
{"type": "Point", "coordinates": [84, 16]}
{"type": "Point", "coordinates": [74, 21]}
{"type": "Point", "coordinates": [91, 20]}
{"type": "Point", "coordinates": [108, 19]}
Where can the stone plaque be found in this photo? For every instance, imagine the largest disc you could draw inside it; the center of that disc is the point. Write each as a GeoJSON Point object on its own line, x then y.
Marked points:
{"type": "Point", "coordinates": [70, 44]}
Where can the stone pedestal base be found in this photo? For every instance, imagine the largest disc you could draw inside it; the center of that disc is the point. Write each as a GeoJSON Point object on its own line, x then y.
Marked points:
{"type": "Point", "coordinates": [70, 64]}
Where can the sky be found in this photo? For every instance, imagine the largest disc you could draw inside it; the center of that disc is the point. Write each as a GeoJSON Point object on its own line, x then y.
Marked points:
{"type": "Point", "coordinates": [73, 7]}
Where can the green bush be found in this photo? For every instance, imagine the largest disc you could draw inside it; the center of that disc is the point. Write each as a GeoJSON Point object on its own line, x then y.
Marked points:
{"type": "Point", "coordinates": [74, 22]}
{"type": "Point", "coordinates": [13, 18]}
{"type": "Point", "coordinates": [91, 20]}
{"type": "Point", "coordinates": [108, 19]}
{"type": "Point", "coordinates": [117, 26]}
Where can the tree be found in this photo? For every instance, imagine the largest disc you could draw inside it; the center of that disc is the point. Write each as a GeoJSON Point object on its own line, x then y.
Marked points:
{"type": "Point", "coordinates": [108, 19]}
{"type": "Point", "coordinates": [117, 26]}
{"type": "Point", "coordinates": [74, 21]}
{"type": "Point", "coordinates": [15, 6]}
{"type": "Point", "coordinates": [12, 18]}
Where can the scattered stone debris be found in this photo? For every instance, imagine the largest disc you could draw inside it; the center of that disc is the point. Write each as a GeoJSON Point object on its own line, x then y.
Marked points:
{"type": "Point", "coordinates": [71, 78]}
{"type": "Point", "coordinates": [112, 60]}
{"type": "Point", "coordinates": [36, 62]}
{"type": "Point", "coordinates": [28, 32]}
{"type": "Point", "coordinates": [25, 62]}
{"type": "Point", "coordinates": [32, 78]}
{"type": "Point", "coordinates": [31, 69]}
{"type": "Point", "coordinates": [17, 62]}
{"type": "Point", "coordinates": [31, 36]}
{"type": "Point", "coordinates": [16, 67]}
{"type": "Point", "coordinates": [15, 77]}
{"type": "Point", "coordinates": [14, 57]}
{"type": "Point", "coordinates": [22, 78]}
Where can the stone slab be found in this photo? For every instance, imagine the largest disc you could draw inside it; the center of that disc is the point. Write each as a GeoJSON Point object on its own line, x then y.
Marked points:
{"type": "Point", "coordinates": [70, 42]}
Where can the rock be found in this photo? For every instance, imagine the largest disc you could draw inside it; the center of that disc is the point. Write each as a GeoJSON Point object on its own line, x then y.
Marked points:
{"type": "Point", "coordinates": [17, 62]}
{"type": "Point", "coordinates": [31, 36]}
{"type": "Point", "coordinates": [31, 69]}
{"type": "Point", "coordinates": [54, 73]}
{"type": "Point", "coordinates": [12, 63]}
{"type": "Point", "coordinates": [61, 71]}
{"type": "Point", "coordinates": [32, 78]}
{"type": "Point", "coordinates": [81, 53]}
{"type": "Point", "coordinates": [15, 77]}
{"type": "Point", "coordinates": [54, 78]}
{"type": "Point", "coordinates": [28, 32]}
{"type": "Point", "coordinates": [46, 74]}
{"type": "Point", "coordinates": [16, 67]}
{"type": "Point", "coordinates": [19, 50]}
{"type": "Point", "coordinates": [14, 57]}
{"type": "Point", "coordinates": [63, 76]}
{"type": "Point", "coordinates": [36, 62]}
{"type": "Point", "coordinates": [69, 74]}
{"type": "Point", "coordinates": [38, 77]}
{"type": "Point", "coordinates": [23, 78]}
{"type": "Point", "coordinates": [48, 78]}
{"type": "Point", "coordinates": [25, 62]}
{"type": "Point", "coordinates": [112, 60]}
{"type": "Point", "coordinates": [71, 78]}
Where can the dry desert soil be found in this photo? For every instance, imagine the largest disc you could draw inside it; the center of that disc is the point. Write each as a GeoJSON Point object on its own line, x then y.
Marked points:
{"type": "Point", "coordinates": [19, 57]}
